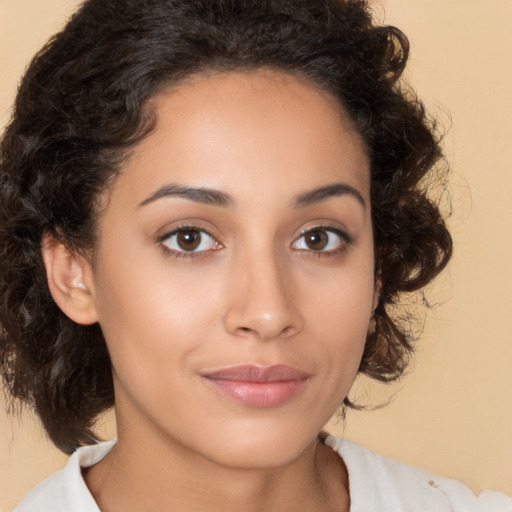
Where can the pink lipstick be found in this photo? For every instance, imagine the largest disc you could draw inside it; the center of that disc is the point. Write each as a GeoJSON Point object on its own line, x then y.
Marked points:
{"type": "Point", "coordinates": [258, 386]}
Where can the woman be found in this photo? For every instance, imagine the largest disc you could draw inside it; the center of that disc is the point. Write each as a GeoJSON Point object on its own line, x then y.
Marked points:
{"type": "Point", "coordinates": [208, 211]}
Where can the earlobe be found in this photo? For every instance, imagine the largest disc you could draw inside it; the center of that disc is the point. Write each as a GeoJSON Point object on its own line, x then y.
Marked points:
{"type": "Point", "coordinates": [70, 281]}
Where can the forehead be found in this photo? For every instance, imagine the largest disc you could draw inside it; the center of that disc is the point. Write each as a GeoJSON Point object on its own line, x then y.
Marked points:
{"type": "Point", "coordinates": [241, 130]}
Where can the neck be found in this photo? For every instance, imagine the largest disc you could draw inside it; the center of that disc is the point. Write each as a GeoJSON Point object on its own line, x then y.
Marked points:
{"type": "Point", "coordinates": [153, 473]}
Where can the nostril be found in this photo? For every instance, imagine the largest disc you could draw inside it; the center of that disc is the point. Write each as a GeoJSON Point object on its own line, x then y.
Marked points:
{"type": "Point", "coordinates": [288, 330]}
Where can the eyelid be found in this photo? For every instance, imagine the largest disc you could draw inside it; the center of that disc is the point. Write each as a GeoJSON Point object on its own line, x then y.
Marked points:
{"type": "Point", "coordinates": [346, 239]}
{"type": "Point", "coordinates": [187, 227]}
{"type": "Point", "coordinates": [184, 224]}
{"type": "Point", "coordinates": [341, 233]}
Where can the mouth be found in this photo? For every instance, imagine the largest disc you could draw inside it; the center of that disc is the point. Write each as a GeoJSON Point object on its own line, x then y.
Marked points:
{"type": "Point", "coordinates": [258, 386]}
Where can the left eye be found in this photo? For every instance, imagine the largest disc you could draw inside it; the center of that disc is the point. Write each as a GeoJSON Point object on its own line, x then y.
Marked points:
{"type": "Point", "coordinates": [320, 240]}
{"type": "Point", "coordinates": [190, 240]}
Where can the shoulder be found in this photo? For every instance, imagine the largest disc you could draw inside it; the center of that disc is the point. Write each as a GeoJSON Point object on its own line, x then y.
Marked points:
{"type": "Point", "coordinates": [379, 483]}
{"type": "Point", "coordinates": [65, 490]}
{"type": "Point", "coordinates": [48, 493]}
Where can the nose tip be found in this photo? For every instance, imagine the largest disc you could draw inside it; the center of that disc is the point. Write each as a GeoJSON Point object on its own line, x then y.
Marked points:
{"type": "Point", "coordinates": [263, 307]}
{"type": "Point", "coordinates": [265, 326]}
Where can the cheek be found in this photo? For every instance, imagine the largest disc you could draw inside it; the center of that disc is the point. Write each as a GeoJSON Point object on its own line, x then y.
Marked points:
{"type": "Point", "coordinates": [153, 315]}
{"type": "Point", "coordinates": [339, 313]}
{"type": "Point", "coordinates": [344, 329]}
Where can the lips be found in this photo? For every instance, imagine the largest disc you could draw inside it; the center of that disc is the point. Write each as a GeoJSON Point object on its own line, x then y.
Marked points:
{"type": "Point", "coordinates": [258, 386]}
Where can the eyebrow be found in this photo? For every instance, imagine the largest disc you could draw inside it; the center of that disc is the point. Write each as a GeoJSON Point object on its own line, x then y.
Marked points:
{"type": "Point", "coordinates": [326, 192]}
{"type": "Point", "coordinates": [197, 194]}
{"type": "Point", "coordinates": [214, 197]}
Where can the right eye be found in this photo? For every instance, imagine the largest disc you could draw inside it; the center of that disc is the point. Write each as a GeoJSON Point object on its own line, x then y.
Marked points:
{"type": "Point", "coordinates": [189, 240]}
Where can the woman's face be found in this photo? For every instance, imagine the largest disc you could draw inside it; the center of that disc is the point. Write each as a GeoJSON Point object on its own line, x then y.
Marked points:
{"type": "Point", "coordinates": [234, 273]}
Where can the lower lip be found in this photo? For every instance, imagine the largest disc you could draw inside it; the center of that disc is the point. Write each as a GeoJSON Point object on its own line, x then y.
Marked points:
{"type": "Point", "coordinates": [258, 394]}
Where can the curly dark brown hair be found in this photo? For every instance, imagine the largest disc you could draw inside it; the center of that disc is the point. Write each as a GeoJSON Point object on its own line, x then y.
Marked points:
{"type": "Point", "coordinates": [81, 108]}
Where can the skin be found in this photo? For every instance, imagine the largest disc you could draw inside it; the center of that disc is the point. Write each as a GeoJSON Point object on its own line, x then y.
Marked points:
{"type": "Point", "coordinates": [255, 292]}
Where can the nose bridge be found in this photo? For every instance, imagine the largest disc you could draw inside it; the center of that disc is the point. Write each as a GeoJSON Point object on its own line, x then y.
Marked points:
{"type": "Point", "coordinates": [263, 303]}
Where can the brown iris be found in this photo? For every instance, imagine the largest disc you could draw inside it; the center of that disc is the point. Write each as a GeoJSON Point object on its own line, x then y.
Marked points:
{"type": "Point", "coordinates": [316, 239]}
{"type": "Point", "coordinates": [189, 239]}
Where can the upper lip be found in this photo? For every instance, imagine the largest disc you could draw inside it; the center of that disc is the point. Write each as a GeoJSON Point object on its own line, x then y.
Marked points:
{"type": "Point", "coordinates": [257, 373]}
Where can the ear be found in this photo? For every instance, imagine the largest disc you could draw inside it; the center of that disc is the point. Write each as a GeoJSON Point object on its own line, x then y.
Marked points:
{"type": "Point", "coordinates": [70, 281]}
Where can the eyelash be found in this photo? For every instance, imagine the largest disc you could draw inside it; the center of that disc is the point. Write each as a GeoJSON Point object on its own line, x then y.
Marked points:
{"type": "Point", "coordinates": [346, 242]}
{"type": "Point", "coordinates": [185, 254]}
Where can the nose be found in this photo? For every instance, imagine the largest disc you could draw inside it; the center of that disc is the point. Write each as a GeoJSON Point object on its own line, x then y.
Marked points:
{"type": "Point", "coordinates": [262, 303]}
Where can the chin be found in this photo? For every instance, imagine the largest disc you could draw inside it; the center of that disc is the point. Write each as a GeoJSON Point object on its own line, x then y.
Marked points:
{"type": "Point", "coordinates": [264, 446]}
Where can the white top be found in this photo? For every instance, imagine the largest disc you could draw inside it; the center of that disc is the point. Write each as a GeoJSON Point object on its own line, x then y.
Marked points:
{"type": "Point", "coordinates": [377, 484]}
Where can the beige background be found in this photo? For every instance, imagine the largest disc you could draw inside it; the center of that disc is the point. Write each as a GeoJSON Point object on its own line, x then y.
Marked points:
{"type": "Point", "coordinates": [453, 414]}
